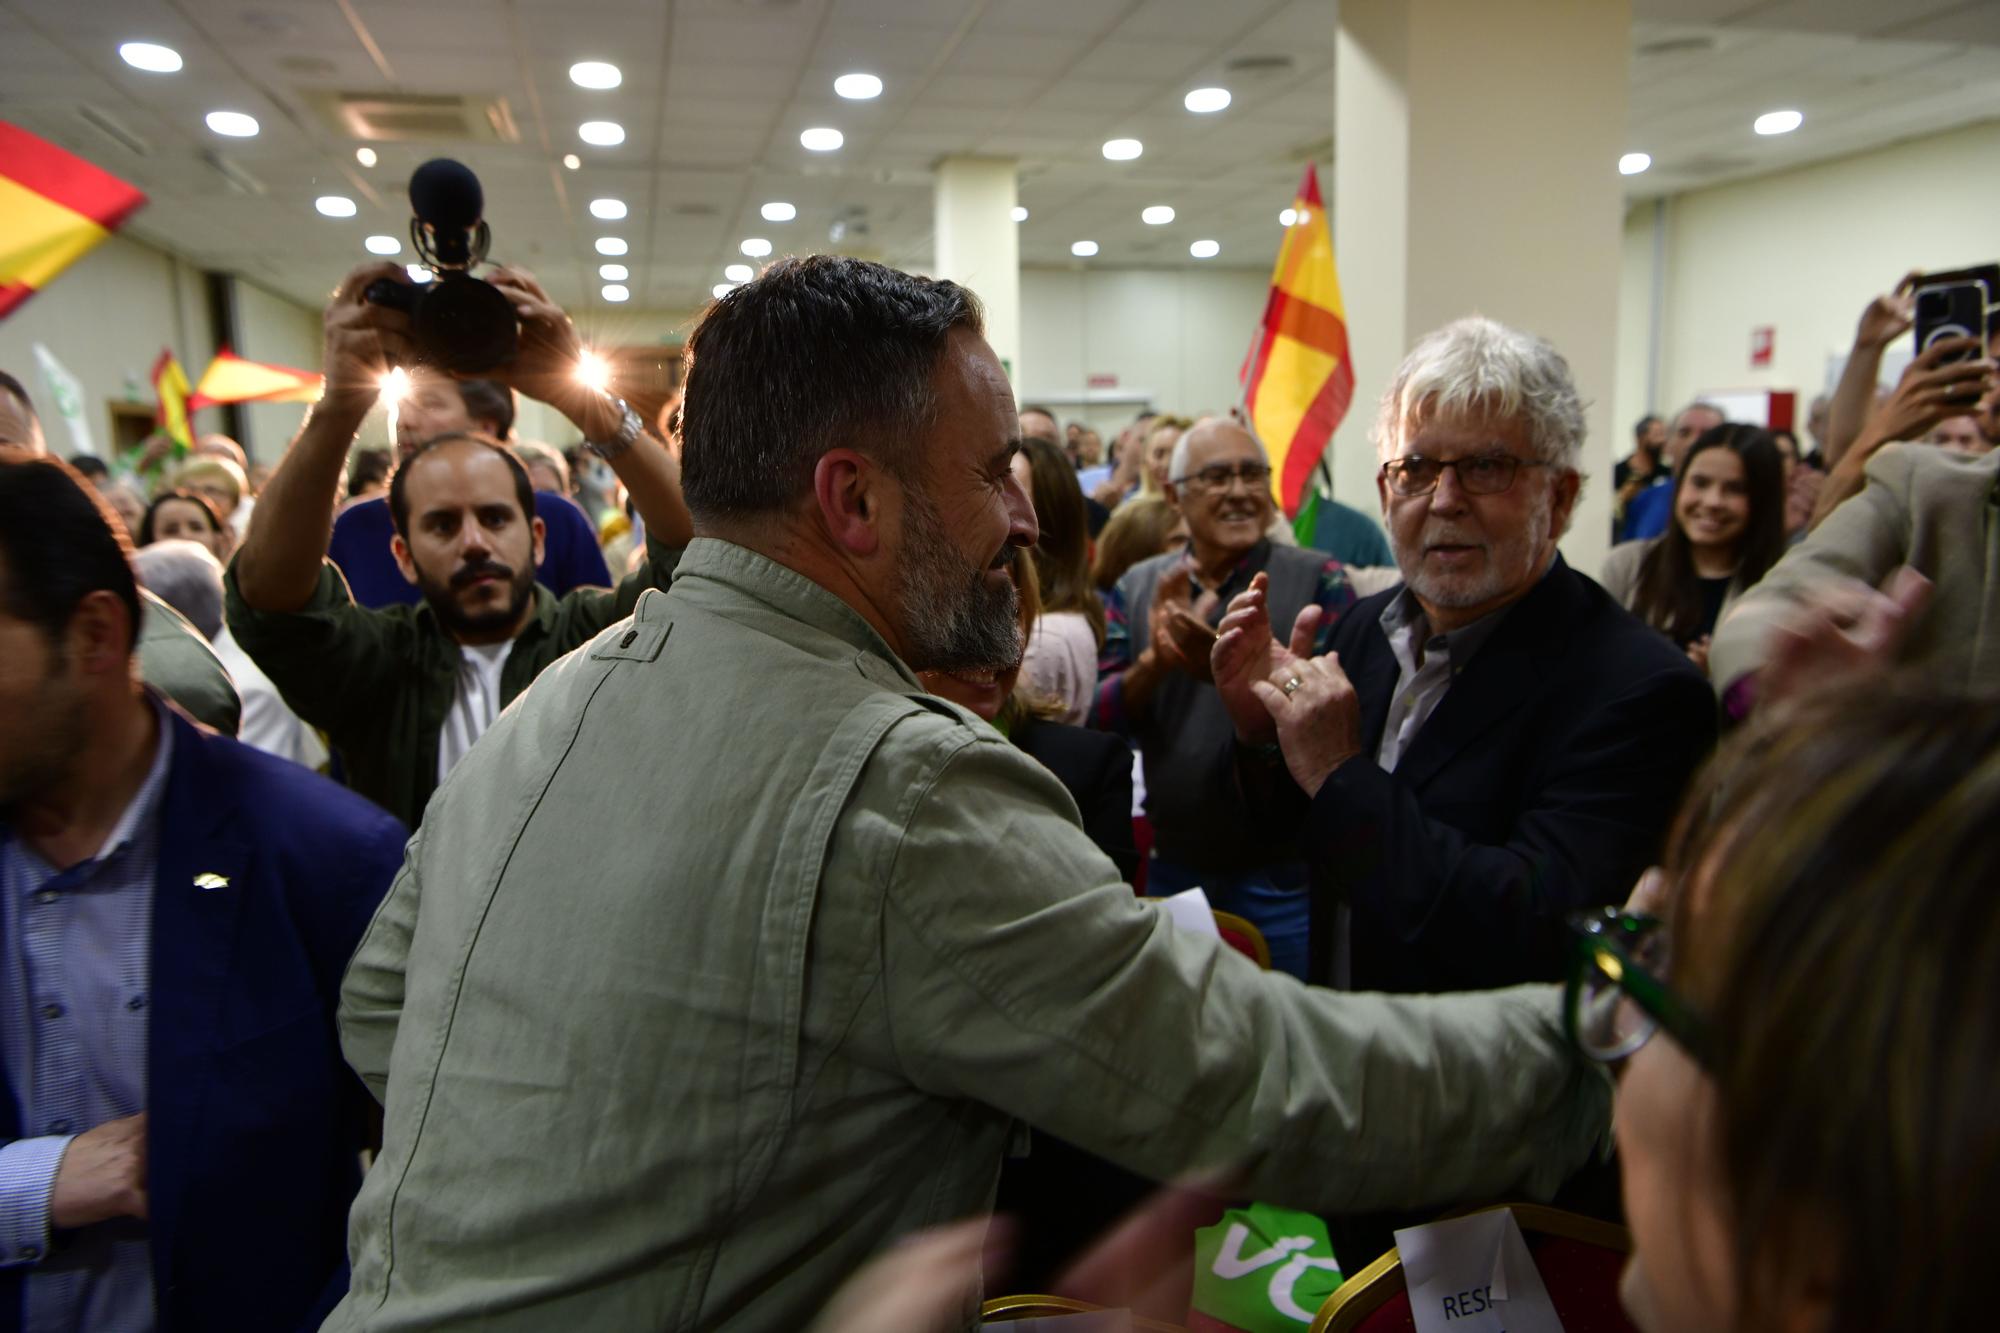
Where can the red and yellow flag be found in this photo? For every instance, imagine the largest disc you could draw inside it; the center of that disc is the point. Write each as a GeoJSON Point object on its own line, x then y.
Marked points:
{"type": "Point", "coordinates": [170, 384]}
{"type": "Point", "coordinates": [54, 207]}
{"type": "Point", "coordinates": [1297, 380]}
{"type": "Point", "coordinates": [231, 379]}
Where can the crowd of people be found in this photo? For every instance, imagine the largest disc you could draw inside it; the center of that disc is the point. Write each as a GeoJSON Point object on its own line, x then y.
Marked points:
{"type": "Point", "coordinates": [682, 863]}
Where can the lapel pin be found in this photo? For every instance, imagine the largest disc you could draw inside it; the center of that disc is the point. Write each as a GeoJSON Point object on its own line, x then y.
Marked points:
{"type": "Point", "coordinates": [211, 880]}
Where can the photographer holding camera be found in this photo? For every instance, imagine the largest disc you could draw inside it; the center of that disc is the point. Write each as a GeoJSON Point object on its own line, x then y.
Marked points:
{"type": "Point", "coordinates": [403, 692]}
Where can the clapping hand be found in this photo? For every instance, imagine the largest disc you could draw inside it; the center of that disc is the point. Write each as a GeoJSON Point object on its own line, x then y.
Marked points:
{"type": "Point", "coordinates": [1844, 631]}
{"type": "Point", "coordinates": [1282, 691]}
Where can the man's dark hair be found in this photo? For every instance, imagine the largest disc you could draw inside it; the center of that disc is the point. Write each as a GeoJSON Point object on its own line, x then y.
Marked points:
{"type": "Point", "coordinates": [817, 353]}
{"type": "Point", "coordinates": [1646, 423]}
{"type": "Point", "coordinates": [1045, 411]}
{"type": "Point", "coordinates": [488, 400]}
{"type": "Point", "coordinates": [399, 500]}
{"type": "Point", "coordinates": [59, 542]}
{"type": "Point", "coordinates": [89, 467]}
{"type": "Point", "coordinates": [10, 385]}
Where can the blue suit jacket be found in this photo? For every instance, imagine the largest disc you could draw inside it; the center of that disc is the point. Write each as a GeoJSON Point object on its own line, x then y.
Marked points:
{"type": "Point", "coordinates": [254, 1122]}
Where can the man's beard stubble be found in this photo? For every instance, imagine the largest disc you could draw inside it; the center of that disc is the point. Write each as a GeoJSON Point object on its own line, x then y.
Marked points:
{"type": "Point", "coordinates": [953, 619]}
{"type": "Point", "coordinates": [1475, 589]}
{"type": "Point", "coordinates": [443, 601]}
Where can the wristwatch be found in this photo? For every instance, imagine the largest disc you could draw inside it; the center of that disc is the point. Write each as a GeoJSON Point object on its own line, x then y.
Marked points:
{"type": "Point", "coordinates": [629, 427]}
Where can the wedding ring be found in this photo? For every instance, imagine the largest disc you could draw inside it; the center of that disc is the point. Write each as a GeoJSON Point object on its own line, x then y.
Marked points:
{"type": "Point", "coordinates": [1291, 686]}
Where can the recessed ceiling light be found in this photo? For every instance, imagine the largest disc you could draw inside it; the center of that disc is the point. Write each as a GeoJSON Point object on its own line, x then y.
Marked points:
{"type": "Point", "coordinates": [1159, 215]}
{"type": "Point", "coordinates": [610, 210]}
{"type": "Point", "coordinates": [595, 74]}
{"type": "Point", "coordinates": [756, 247]}
{"type": "Point", "coordinates": [1633, 163]}
{"type": "Point", "coordinates": [739, 273]}
{"type": "Point", "coordinates": [1123, 150]}
{"type": "Point", "coordinates": [602, 133]}
{"type": "Point", "coordinates": [1205, 249]}
{"type": "Point", "coordinates": [1020, 213]}
{"type": "Point", "coordinates": [858, 87]}
{"type": "Point", "coordinates": [821, 139]}
{"type": "Point", "coordinates": [611, 245]}
{"type": "Point", "coordinates": [613, 272]}
{"type": "Point", "coordinates": [1203, 101]}
{"type": "Point", "coordinates": [778, 211]}
{"type": "Point", "coordinates": [418, 273]}
{"type": "Point", "coordinates": [615, 292]}
{"type": "Point", "coordinates": [335, 206]}
{"type": "Point", "coordinates": [1778, 122]}
{"type": "Point", "coordinates": [1084, 249]}
{"type": "Point", "coordinates": [572, 161]}
{"type": "Point", "coordinates": [233, 124]}
{"type": "Point", "coordinates": [1286, 217]}
{"type": "Point", "coordinates": [383, 245]}
{"type": "Point", "coordinates": [365, 156]}
{"type": "Point", "coordinates": [722, 289]}
{"type": "Point", "coordinates": [152, 58]}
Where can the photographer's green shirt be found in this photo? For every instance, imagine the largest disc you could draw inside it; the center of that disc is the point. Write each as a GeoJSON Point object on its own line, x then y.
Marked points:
{"type": "Point", "coordinates": [380, 682]}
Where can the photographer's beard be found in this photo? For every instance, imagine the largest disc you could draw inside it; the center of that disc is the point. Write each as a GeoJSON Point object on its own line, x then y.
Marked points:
{"type": "Point", "coordinates": [484, 620]}
{"type": "Point", "coordinates": [956, 617]}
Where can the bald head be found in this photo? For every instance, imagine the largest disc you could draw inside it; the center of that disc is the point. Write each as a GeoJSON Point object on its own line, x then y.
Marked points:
{"type": "Point", "coordinates": [20, 429]}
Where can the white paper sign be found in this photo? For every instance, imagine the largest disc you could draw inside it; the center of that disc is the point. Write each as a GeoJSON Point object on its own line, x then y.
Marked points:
{"type": "Point", "coordinates": [1475, 1275]}
{"type": "Point", "coordinates": [1190, 911]}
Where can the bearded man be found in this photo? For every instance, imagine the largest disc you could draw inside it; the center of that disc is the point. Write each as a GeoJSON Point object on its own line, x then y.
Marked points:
{"type": "Point", "coordinates": [1493, 744]}
{"type": "Point", "coordinates": [403, 692]}
{"type": "Point", "coordinates": [730, 956]}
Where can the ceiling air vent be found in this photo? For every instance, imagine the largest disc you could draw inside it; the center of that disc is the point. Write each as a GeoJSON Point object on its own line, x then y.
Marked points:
{"type": "Point", "coordinates": [417, 117]}
{"type": "Point", "coordinates": [1676, 46]}
{"type": "Point", "coordinates": [113, 129]}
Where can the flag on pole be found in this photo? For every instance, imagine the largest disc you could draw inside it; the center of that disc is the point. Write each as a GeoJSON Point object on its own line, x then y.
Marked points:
{"type": "Point", "coordinates": [54, 207]}
{"type": "Point", "coordinates": [231, 379]}
{"type": "Point", "coordinates": [170, 384]}
{"type": "Point", "coordinates": [67, 395]}
{"type": "Point", "coordinates": [1297, 380]}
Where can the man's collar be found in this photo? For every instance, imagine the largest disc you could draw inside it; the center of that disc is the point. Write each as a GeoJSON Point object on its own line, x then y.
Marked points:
{"type": "Point", "coordinates": [145, 803]}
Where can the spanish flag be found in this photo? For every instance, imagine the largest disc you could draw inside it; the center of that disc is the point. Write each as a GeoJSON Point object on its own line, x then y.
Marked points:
{"type": "Point", "coordinates": [170, 385]}
{"type": "Point", "coordinates": [1297, 380]}
{"type": "Point", "coordinates": [53, 208]}
{"type": "Point", "coordinates": [231, 379]}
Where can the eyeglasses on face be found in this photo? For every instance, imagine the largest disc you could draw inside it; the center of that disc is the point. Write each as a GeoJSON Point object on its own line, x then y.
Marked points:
{"type": "Point", "coordinates": [1481, 474]}
{"type": "Point", "coordinates": [1255, 476]}
{"type": "Point", "coordinates": [1617, 996]}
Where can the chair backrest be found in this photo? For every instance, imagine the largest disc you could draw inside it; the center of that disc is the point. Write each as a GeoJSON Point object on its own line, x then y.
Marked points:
{"type": "Point", "coordinates": [1006, 1309]}
{"type": "Point", "coordinates": [1580, 1259]}
{"type": "Point", "coordinates": [1243, 937]}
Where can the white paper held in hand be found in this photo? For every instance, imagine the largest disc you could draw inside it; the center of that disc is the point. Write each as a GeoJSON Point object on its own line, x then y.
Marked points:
{"type": "Point", "coordinates": [1475, 1275]}
{"type": "Point", "coordinates": [1190, 911]}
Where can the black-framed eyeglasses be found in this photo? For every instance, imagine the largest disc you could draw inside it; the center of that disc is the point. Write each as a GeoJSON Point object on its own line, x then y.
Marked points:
{"type": "Point", "coordinates": [1481, 474]}
{"type": "Point", "coordinates": [1617, 996]}
{"type": "Point", "coordinates": [1255, 476]}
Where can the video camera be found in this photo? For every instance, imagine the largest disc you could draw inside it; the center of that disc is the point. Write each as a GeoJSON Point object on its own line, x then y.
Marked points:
{"type": "Point", "coordinates": [460, 323]}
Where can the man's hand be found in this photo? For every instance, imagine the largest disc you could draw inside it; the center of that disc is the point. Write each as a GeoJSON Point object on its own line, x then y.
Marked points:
{"type": "Point", "coordinates": [362, 341]}
{"type": "Point", "coordinates": [1319, 719]}
{"type": "Point", "coordinates": [102, 1175]}
{"type": "Point", "coordinates": [1845, 631]}
{"type": "Point", "coordinates": [1935, 386]}
{"type": "Point", "coordinates": [1246, 651]}
{"type": "Point", "coordinates": [1172, 598]}
{"type": "Point", "coordinates": [545, 366]}
{"type": "Point", "coordinates": [1698, 652]}
{"type": "Point", "coordinates": [1888, 316]}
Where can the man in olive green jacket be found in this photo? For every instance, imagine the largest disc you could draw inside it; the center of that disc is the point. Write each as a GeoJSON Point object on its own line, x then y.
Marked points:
{"type": "Point", "coordinates": [730, 956]}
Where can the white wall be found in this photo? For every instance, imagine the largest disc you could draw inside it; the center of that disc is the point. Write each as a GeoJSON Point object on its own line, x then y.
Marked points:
{"type": "Point", "coordinates": [1177, 336]}
{"type": "Point", "coordinates": [106, 318]}
{"type": "Point", "coordinates": [1803, 251]}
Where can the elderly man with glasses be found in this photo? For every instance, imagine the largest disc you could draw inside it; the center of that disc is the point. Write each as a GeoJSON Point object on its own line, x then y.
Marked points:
{"type": "Point", "coordinates": [1154, 686]}
{"type": "Point", "coordinates": [1492, 744]}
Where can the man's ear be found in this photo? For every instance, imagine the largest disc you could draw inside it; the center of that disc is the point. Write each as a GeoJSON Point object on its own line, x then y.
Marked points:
{"type": "Point", "coordinates": [1568, 485]}
{"type": "Point", "coordinates": [401, 550]}
{"type": "Point", "coordinates": [540, 531]}
{"type": "Point", "coordinates": [1173, 494]}
{"type": "Point", "coordinates": [101, 635]}
{"type": "Point", "coordinates": [850, 491]}
{"type": "Point", "coordinates": [1382, 490]}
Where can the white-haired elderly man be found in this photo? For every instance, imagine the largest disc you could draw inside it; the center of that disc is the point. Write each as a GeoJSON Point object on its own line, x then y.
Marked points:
{"type": "Point", "coordinates": [1493, 744]}
{"type": "Point", "coordinates": [1154, 686]}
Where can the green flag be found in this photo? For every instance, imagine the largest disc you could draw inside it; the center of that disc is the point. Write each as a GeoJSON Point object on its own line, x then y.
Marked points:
{"type": "Point", "coordinates": [1262, 1270]}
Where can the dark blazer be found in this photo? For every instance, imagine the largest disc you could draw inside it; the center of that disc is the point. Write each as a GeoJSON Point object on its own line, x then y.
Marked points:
{"type": "Point", "coordinates": [1097, 769]}
{"type": "Point", "coordinates": [1545, 781]}
{"type": "Point", "coordinates": [254, 1122]}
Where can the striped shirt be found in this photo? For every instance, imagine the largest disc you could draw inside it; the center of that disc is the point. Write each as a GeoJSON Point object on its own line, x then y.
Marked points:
{"type": "Point", "coordinates": [73, 1026]}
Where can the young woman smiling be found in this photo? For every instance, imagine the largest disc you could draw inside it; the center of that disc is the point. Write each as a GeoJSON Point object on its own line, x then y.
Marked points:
{"type": "Point", "coordinates": [1728, 529]}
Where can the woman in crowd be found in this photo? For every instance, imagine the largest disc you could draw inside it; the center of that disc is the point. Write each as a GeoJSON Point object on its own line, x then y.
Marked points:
{"type": "Point", "coordinates": [189, 515]}
{"type": "Point", "coordinates": [1165, 433]}
{"type": "Point", "coordinates": [1728, 529]}
{"type": "Point", "coordinates": [218, 480]}
{"type": "Point", "coordinates": [1068, 636]}
{"type": "Point", "coordinates": [1140, 529]}
{"type": "Point", "coordinates": [368, 475]}
{"type": "Point", "coordinates": [1095, 766]}
{"type": "Point", "coordinates": [1810, 1141]}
